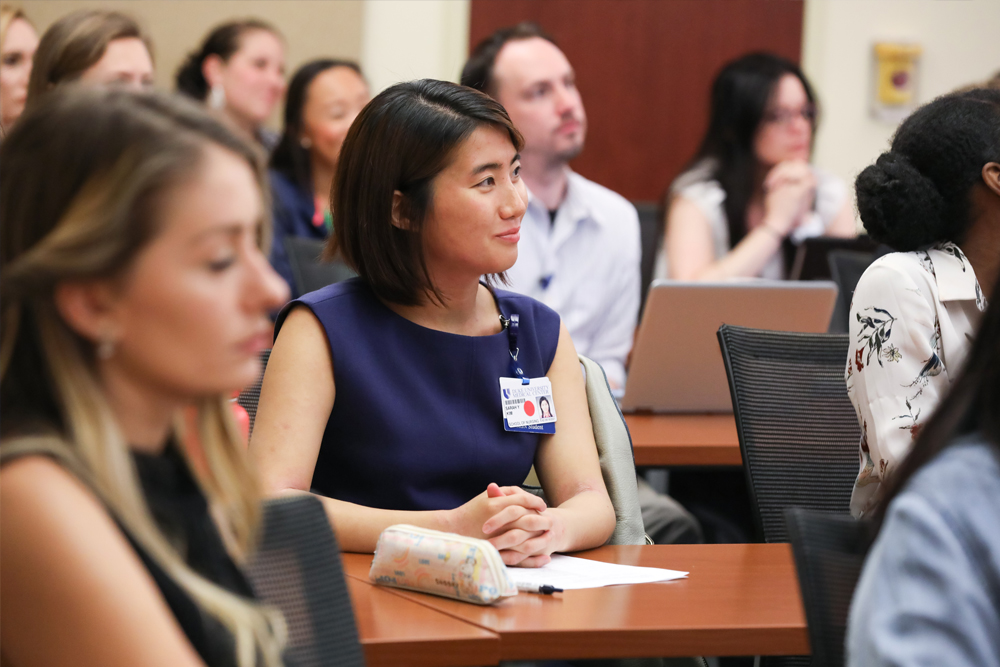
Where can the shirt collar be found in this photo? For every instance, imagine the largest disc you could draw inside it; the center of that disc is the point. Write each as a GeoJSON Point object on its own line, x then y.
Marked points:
{"type": "Point", "coordinates": [576, 204]}
{"type": "Point", "coordinates": [956, 281]}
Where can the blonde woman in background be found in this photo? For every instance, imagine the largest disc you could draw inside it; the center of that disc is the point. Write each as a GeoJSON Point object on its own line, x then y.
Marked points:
{"type": "Point", "coordinates": [133, 287]}
{"type": "Point", "coordinates": [94, 47]}
{"type": "Point", "coordinates": [18, 41]}
{"type": "Point", "coordinates": [239, 70]}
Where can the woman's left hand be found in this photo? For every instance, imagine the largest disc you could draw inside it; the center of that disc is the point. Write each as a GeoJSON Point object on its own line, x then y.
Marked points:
{"type": "Point", "coordinates": [525, 539]}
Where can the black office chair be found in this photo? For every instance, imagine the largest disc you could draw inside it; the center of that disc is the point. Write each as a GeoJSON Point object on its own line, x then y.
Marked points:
{"type": "Point", "coordinates": [297, 569]}
{"type": "Point", "coordinates": [651, 234]}
{"type": "Point", "coordinates": [797, 428]}
{"type": "Point", "coordinates": [309, 272]}
{"type": "Point", "coordinates": [250, 396]}
{"type": "Point", "coordinates": [846, 267]}
{"type": "Point", "coordinates": [829, 552]}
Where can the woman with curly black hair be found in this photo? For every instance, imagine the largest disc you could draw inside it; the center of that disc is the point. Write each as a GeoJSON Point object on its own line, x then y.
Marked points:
{"type": "Point", "coordinates": [935, 198]}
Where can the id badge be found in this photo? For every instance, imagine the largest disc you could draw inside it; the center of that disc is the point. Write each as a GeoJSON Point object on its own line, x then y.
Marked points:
{"type": "Point", "coordinates": [528, 408]}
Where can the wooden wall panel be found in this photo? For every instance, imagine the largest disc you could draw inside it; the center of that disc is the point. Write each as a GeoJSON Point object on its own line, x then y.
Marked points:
{"type": "Point", "coordinates": [644, 68]}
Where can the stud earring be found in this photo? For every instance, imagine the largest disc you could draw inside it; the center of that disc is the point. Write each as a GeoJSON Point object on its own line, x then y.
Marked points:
{"type": "Point", "coordinates": [217, 97]}
{"type": "Point", "coordinates": [106, 348]}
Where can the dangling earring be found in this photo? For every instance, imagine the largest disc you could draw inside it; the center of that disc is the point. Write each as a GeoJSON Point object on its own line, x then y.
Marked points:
{"type": "Point", "coordinates": [106, 348]}
{"type": "Point", "coordinates": [217, 97]}
{"type": "Point", "coordinates": [306, 143]}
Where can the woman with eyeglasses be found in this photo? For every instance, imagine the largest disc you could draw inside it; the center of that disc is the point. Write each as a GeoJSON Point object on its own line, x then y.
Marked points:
{"type": "Point", "coordinates": [750, 187]}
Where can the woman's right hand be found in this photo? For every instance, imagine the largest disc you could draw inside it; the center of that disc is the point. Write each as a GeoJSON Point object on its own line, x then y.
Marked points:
{"type": "Point", "coordinates": [513, 501]}
{"type": "Point", "coordinates": [789, 189]}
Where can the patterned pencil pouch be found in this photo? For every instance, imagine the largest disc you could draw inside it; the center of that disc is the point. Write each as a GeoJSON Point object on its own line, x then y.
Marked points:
{"type": "Point", "coordinates": [444, 564]}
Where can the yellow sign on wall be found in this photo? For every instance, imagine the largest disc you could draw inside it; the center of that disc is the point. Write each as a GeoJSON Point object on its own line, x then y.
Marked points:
{"type": "Point", "coordinates": [896, 74]}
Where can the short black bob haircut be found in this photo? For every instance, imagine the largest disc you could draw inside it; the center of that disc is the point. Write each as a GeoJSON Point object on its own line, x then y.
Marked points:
{"type": "Point", "coordinates": [289, 157]}
{"type": "Point", "coordinates": [402, 140]}
{"type": "Point", "coordinates": [478, 70]}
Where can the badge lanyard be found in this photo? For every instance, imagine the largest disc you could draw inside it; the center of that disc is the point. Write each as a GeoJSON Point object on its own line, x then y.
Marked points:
{"type": "Point", "coordinates": [511, 325]}
{"type": "Point", "coordinates": [520, 402]}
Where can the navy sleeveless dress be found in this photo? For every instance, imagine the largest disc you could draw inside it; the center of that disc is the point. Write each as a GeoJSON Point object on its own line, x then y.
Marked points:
{"type": "Point", "coordinates": [416, 422]}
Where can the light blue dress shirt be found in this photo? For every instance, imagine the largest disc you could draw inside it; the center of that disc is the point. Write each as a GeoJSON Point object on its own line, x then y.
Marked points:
{"type": "Point", "coordinates": [929, 593]}
{"type": "Point", "coordinates": [585, 266]}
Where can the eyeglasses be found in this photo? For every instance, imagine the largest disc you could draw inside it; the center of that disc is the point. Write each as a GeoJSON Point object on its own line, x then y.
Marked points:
{"type": "Point", "coordinates": [784, 117]}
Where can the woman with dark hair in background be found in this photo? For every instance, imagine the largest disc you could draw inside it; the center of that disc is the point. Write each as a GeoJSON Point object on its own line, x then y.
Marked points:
{"type": "Point", "coordinates": [133, 289]}
{"type": "Point", "coordinates": [750, 186]}
{"type": "Point", "coordinates": [239, 71]}
{"type": "Point", "coordinates": [324, 98]}
{"type": "Point", "coordinates": [428, 199]}
{"type": "Point", "coordinates": [92, 46]}
{"type": "Point", "coordinates": [935, 197]}
{"type": "Point", "coordinates": [928, 594]}
{"type": "Point", "coordinates": [18, 42]}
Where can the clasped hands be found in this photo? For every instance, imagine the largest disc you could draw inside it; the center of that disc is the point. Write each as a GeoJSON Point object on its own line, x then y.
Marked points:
{"type": "Point", "coordinates": [520, 525]}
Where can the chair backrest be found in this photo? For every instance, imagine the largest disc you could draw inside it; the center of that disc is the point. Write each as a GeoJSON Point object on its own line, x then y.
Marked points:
{"type": "Point", "coordinates": [846, 267]}
{"type": "Point", "coordinates": [297, 569]}
{"type": "Point", "coordinates": [797, 428]}
{"type": "Point", "coordinates": [829, 552]}
{"type": "Point", "coordinates": [250, 396]}
{"type": "Point", "coordinates": [309, 272]}
{"type": "Point", "coordinates": [651, 233]}
{"type": "Point", "coordinates": [614, 448]}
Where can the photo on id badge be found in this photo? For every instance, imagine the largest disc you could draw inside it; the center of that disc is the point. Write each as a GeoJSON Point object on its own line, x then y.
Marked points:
{"type": "Point", "coordinates": [528, 407]}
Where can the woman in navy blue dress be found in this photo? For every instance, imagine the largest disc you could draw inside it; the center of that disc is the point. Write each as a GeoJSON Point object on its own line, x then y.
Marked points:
{"type": "Point", "coordinates": [386, 394]}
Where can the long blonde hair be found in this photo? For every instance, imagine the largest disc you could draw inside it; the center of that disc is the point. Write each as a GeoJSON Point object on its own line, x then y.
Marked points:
{"type": "Point", "coordinates": [83, 173]}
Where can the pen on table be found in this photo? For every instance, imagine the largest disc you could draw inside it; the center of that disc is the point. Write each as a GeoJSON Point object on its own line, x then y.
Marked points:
{"type": "Point", "coordinates": [544, 589]}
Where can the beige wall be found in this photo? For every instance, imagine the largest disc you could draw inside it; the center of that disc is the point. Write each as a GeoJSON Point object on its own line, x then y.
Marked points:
{"type": "Point", "coordinates": [414, 39]}
{"type": "Point", "coordinates": [312, 28]}
{"type": "Point", "coordinates": [961, 44]}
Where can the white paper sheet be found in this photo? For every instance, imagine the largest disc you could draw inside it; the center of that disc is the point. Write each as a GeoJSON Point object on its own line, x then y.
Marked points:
{"type": "Point", "coordinates": [568, 573]}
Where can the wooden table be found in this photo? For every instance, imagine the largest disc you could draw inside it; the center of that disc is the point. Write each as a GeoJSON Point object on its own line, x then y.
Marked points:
{"type": "Point", "coordinates": [740, 599]}
{"type": "Point", "coordinates": [398, 632]}
{"type": "Point", "coordinates": [684, 440]}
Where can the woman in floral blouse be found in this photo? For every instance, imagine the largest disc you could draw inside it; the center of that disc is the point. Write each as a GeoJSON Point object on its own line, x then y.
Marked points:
{"type": "Point", "coordinates": [934, 196]}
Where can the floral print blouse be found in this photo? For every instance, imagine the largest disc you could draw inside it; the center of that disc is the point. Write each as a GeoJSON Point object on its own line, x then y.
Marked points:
{"type": "Point", "coordinates": [913, 317]}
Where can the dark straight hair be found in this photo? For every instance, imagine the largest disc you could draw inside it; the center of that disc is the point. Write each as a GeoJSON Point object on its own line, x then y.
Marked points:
{"type": "Point", "coordinates": [740, 94]}
{"type": "Point", "coordinates": [289, 157]}
{"type": "Point", "coordinates": [223, 41]}
{"type": "Point", "coordinates": [402, 140]}
{"type": "Point", "coordinates": [971, 406]}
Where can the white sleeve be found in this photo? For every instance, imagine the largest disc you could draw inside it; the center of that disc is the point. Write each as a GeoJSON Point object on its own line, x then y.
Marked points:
{"type": "Point", "coordinates": [895, 377]}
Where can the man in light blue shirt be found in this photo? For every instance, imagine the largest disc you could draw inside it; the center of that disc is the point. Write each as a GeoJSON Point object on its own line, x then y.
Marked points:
{"type": "Point", "coordinates": [580, 246]}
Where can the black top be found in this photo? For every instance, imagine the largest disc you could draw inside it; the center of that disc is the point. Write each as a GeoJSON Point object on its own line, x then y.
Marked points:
{"type": "Point", "coordinates": [181, 513]}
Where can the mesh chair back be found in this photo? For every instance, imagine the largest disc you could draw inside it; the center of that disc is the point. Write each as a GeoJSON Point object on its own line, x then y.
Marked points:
{"type": "Point", "coordinates": [846, 267]}
{"type": "Point", "coordinates": [650, 235]}
{"type": "Point", "coordinates": [797, 428]}
{"type": "Point", "coordinates": [309, 272]}
{"type": "Point", "coordinates": [250, 396]}
{"type": "Point", "coordinates": [829, 553]}
{"type": "Point", "coordinates": [297, 569]}
{"type": "Point", "coordinates": [614, 449]}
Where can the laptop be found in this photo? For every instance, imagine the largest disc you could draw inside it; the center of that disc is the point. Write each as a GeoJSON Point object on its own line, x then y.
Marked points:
{"type": "Point", "coordinates": [676, 364]}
